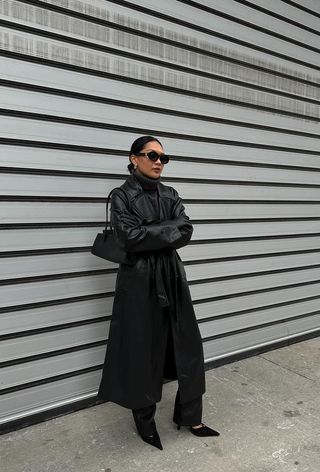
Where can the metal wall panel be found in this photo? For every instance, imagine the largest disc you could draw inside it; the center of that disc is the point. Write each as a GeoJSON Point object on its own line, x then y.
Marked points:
{"type": "Point", "coordinates": [65, 82]}
{"type": "Point", "coordinates": [231, 88]}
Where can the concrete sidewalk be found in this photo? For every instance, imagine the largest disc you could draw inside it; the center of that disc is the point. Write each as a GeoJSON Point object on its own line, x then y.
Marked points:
{"type": "Point", "coordinates": [266, 408]}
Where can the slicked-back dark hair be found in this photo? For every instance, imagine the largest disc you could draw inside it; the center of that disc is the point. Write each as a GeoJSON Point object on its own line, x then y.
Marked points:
{"type": "Point", "coordinates": [138, 145]}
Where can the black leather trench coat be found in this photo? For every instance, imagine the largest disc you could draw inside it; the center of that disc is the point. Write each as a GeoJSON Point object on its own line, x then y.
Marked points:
{"type": "Point", "coordinates": [155, 281]}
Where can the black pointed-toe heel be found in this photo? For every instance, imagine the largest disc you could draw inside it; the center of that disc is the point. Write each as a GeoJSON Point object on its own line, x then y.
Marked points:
{"type": "Point", "coordinates": [203, 431]}
{"type": "Point", "coordinates": [153, 440]}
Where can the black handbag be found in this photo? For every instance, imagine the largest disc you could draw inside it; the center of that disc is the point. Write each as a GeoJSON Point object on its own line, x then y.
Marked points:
{"type": "Point", "coordinates": [105, 245]}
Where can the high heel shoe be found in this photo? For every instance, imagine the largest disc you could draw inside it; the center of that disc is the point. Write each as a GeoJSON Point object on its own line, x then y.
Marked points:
{"type": "Point", "coordinates": [144, 420]}
{"type": "Point", "coordinates": [203, 431]}
{"type": "Point", "coordinates": [153, 439]}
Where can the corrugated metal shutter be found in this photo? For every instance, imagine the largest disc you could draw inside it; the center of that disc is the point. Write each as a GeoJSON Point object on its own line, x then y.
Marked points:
{"type": "Point", "coordinates": [232, 90]}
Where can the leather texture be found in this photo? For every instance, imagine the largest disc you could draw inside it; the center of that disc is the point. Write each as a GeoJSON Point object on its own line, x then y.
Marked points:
{"type": "Point", "coordinates": [147, 220]}
{"type": "Point", "coordinates": [150, 225]}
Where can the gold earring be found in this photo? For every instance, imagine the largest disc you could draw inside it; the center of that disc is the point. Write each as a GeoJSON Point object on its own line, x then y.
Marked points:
{"type": "Point", "coordinates": [135, 166]}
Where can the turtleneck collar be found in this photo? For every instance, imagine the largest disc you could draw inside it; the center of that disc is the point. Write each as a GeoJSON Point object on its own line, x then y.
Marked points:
{"type": "Point", "coordinates": [147, 183]}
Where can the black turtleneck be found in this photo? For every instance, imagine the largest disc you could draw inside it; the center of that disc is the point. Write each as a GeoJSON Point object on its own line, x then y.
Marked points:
{"type": "Point", "coordinates": [151, 193]}
{"type": "Point", "coordinates": [147, 183]}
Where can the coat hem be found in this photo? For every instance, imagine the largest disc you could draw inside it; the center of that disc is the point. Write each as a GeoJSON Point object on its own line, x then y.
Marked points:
{"type": "Point", "coordinates": [126, 405]}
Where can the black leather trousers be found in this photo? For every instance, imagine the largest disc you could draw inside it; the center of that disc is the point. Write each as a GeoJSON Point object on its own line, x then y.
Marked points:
{"type": "Point", "coordinates": [187, 414]}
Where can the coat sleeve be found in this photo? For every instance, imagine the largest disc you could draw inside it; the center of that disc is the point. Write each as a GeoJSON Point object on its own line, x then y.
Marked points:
{"type": "Point", "coordinates": [182, 221]}
{"type": "Point", "coordinates": [133, 236]}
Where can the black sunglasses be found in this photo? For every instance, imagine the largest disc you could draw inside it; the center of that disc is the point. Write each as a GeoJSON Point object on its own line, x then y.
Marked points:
{"type": "Point", "coordinates": [154, 156]}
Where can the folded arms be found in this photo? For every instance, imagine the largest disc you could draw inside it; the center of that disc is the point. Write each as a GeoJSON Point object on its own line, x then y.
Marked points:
{"type": "Point", "coordinates": [134, 236]}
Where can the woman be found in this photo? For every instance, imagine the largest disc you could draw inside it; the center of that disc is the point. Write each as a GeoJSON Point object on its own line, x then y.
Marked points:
{"type": "Point", "coordinates": [153, 333]}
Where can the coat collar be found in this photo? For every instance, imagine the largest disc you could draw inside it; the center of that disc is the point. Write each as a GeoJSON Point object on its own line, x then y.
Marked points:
{"type": "Point", "coordinates": [134, 188]}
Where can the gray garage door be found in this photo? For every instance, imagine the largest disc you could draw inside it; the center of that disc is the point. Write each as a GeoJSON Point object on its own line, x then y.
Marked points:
{"type": "Point", "coordinates": [231, 88]}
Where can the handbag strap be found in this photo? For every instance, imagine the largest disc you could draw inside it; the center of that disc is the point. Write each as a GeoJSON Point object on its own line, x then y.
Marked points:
{"type": "Point", "coordinates": [107, 206]}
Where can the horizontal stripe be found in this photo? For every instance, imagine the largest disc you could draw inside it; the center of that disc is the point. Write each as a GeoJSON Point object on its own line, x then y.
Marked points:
{"type": "Point", "coordinates": [211, 32]}
{"type": "Point", "coordinates": [164, 179]}
{"type": "Point", "coordinates": [247, 24]}
{"type": "Point", "coordinates": [192, 262]}
{"type": "Point", "coordinates": [81, 347]}
{"type": "Point", "coordinates": [62, 301]}
{"type": "Point", "coordinates": [49, 329]}
{"type": "Point", "coordinates": [163, 111]}
{"type": "Point", "coordinates": [259, 273]}
{"type": "Point", "coordinates": [163, 40]}
{"type": "Point", "coordinates": [254, 351]}
{"type": "Point", "coordinates": [50, 413]}
{"type": "Point", "coordinates": [256, 327]}
{"type": "Point", "coordinates": [143, 58]}
{"type": "Point", "coordinates": [42, 252]}
{"type": "Point", "coordinates": [255, 238]}
{"type": "Point", "coordinates": [201, 241]}
{"type": "Point", "coordinates": [51, 199]}
{"type": "Point", "coordinates": [96, 272]}
{"type": "Point", "coordinates": [249, 256]}
{"type": "Point", "coordinates": [202, 281]}
{"type": "Point", "coordinates": [126, 79]}
{"type": "Point", "coordinates": [58, 301]}
{"type": "Point", "coordinates": [254, 292]}
{"type": "Point", "coordinates": [249, 238]}
{"type": "Point", "coordinates": [63, 275]}
{"type": "Point", "coordinates": [255, 309]}
{"type": "Point", "coordinates": [117, 152]}
{"type": "Point", "coordinates": [47, 380]}
{"type": "Point", "coordinates": [194, 201]}
{"type": "Point", "coordinates": [78, 224]}
{"type": "Point", "coordinates": [71, 250]}
{"type": "Point", "coordinates": [99, 175]}
{"type": "Point", "coordinates": [46, 355]}
{"type": "Point", "coordinates": [278, 16]}
{"type": "Point", "coordinates": [42, 381]}
{"type": "Point", "coordinates": [100, 224]}
{"type": "Point", "coordinates": [103, 319]}
{"type": "Point", "coordinates": [301, 7]}
{"type": "Point", "coordinates": [131, 129]}
{"type": "Point", "coordinates": [120, 176]}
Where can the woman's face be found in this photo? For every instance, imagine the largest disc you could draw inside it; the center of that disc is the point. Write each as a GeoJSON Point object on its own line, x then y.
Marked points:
{"type": "Point", "coordinates": [145, 165]}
